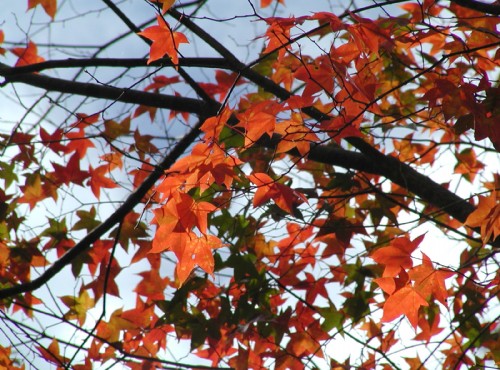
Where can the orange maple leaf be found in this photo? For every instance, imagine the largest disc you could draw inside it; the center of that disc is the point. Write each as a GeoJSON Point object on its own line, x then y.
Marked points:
{"type": "Point", "coordinates": [429, 281]}
{"type": "Point", "coordinates": [266, 3]}
{"type": "Point", "coordinates": [179, 215]}
{"type": "Point", "coordinates": [167, 4]}
{"type": "Point", "coordinates": [50, 6]}
{"type": "Point", "coordinates": [294, 134]}
{"type": "Point", "coordinates": [397, 255]}
{"type": "Point", "coordinates": [317, 76]}
{"type": "Point", "coordinates": [27, 55]}
{"type": "Point", "coordinates": [303, 343]}
{"type": "Point", "coordinates": [34, 191]}
{"type": "Point", "coordinates": [267, 188]}
{"type": "Point", "coordinates": [487, 217]}
{"type": "Point", "coordinates": [111, 330]}
{"type": "Point", "coordinates": [165, 41]}
{"type": "Point", "coordinates": [212, 127]}
{"type": "Point", "coordinates": [406, 301]}
{"type": "Point", "coordinates": [196, 251]}
{"type": "Point", "coordinates": [258, 120]}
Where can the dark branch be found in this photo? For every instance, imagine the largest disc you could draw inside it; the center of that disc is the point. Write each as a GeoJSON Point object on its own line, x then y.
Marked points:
{"type": "Point", "coordinates": [125, 95]}
{"type": "Point", "coordinates": [111, 62]}
{"type": "Point", "coordinates": [479, 6]}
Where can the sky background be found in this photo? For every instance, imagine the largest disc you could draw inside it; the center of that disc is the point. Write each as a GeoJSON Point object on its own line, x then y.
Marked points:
{"type": "Point", "coordinates": [89, 23]}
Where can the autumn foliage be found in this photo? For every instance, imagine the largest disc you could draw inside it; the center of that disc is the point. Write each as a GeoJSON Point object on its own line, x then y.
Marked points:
{"type": "Point", "coordinates": [188, 184]}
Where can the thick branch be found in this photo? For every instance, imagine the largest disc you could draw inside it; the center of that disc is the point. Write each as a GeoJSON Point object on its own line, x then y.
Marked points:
{"type": "Point", "coordinates": [479, 6]}
{"type": "Point", "coordinates": [7, 71]}
{"type": "Point", "coordinates": [125, 95]}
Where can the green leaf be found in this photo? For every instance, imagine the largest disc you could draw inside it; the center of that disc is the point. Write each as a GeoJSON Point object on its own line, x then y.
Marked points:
{"type": "Point", "coordinates": [87, 220]}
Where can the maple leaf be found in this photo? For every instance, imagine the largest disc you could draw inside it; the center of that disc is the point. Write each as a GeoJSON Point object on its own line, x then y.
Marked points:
{"type": "Point", "coordinates": [50, 6]}
{"type": "Point", "coordinates": [339, 128]}
{"type": "Point", "coordinates": [52, 354]}
{"type": "Point", "coordinates": [27, 55]}
{"type": "Point", "coordinates": [53, 141]}
{"type": "Point", "coordinates": [115, 160]}
{"type": "Point", "coordinates": [397, 255]}
{"type": "Point", "coordinates": [429, 280]}
{"type": "Point", "coordinates": [212, 127]}
{"type": "Point", "coordinates": [302, 343]}
{"type": "Point", "coordinates": [428, 329]}
{"type": "Point", "coordinates": [487, 217]}
{"type": "Point", "coordinates": [406, 301]}
{"type": "Point", "coordinates": [78, 306]}
{"type": "Point", "coordinates": [318, 76]}
{"type": "Point", "coordinates": [160, 82]}
{"type": "Point", "coordinates": [152, 285]}
{"type": "Point", "coordinates": [99, 180]}
{"type": "Point", "coordinates": [225, 82]}
{"type": "Point", "coordinates": [79, 142]}
{"type": "Point", "coordinates": [34, 191]}
{"type": "Point", "coordinates": [294, 134]}
{"type": "Point", "coordinates": [278, 34]}
{"type": "Point", "coordinates": [111, 330]}
{"type": "Point", "coordinates": [68, 173]}
{"type": "Point", "coordinates": [207, 163]}
{"type": "Point", "coordinates": [179, 215]}
{"type": "Point", "coordinates": [2, 39]}
{"type": "Point", "coordinates": [267, 188]}
{"type": "Point", "coordinates": [113, 130]}
{"type": "Point", "coordinates": [197, 251]}
{"type": "Point", "coordinates": [258, 120]}
{"type": "Point", "coordinates": [266, 3]}
{"type": "Point", "coordinates": [165, 41]}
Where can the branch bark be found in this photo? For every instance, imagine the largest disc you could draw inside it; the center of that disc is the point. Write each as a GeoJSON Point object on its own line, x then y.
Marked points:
{"type": "Point", "coordinates": [479, 6]}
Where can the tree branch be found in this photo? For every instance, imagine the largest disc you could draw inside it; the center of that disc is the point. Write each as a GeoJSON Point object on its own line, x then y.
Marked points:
{"type": "Point", "coordinates": [479, 6]}
{"type": "Point", "coordinates": [8, 71]}
{"type": "Point", "coordinates": [125, 95]}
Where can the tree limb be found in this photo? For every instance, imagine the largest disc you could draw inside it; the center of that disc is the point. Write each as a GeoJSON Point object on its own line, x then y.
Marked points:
{"type": "Point", "coordinates": [479, 6]}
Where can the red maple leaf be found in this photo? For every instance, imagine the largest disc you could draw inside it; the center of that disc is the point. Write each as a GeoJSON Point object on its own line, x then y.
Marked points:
{"type": "Point", "coordinates": [406, 301]}
{"type": "Point", "coordinates": [70, 172]}
{"type": "Point", "coordinates": [98, 180]}
{"type": "Point", "coordinates": [50, 6]}
{"type": "Point", "coordinates": [165, 41]}
{"type": "Point", "coordinates": [397, 255]}
{"type": "Point", "coordinates": [267, 188]}
{"type": "Point", "coordinates": [27, 55]}
{"type": "Point", "coordinates": [53, 141]}
{"type": "Point", "coordinates": [160, 82]}
{"type": "Point", "coordinates": [429, 281]}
